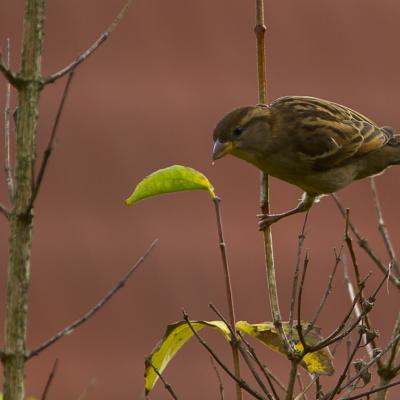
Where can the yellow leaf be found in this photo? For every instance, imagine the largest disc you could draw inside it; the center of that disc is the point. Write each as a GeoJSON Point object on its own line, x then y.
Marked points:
{"type": "Point", "coordinates": [175, 337]}
{"type": "Point", "coordinates": [319, 362]}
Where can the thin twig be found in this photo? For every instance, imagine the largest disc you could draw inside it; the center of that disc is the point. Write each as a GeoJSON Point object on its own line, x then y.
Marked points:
{"type": "Point", "coordinates": [236, 343]}
{"type": "Point", "coordinates": [70, 328]}
{"type": "Point", "coordinates": [372, 391]}
{"type": "Point", "coordinates": [50, 380]}
{"type": "Point", "coordinates": [307, 388]}
{"type": "Point", "coordinates": [269, 376]}
{"type": "Point", "coordinates": [229, 293]}
{"type": "Point", "coordinates": [383, 229]}
{"type": "Point", "coordinates": [88, 389]}
{"type": "Point", "coordinates": [167, 386]}
{"type": "Point", "coordinates": [4, 211]}
{"type": "Point", "coordinates": [82, 57]}
{"type": "Point", "coordinates": [300, 242]}
{"type": "Point", "coordinates": [327, 292]}
{"type": "Point", "coordinates": [8, 74]}
{"type": "Point", "coordinates": [243, 384]}
{"type": "Point", "coordinates": [301, 386]}
{"type": "Point", "coordinates": [363, 243]}
{"type": "Point", "coordinates": [7, 113]}
{"type": "Point", "coordinates": [342, 377]}
{"type": "Point", "coordinates": [220, 384]}
{"type": "Point", "coordinates": [50, 145]}
{"type": "Point", "coordinates": [360, 286]}
{"type": "Point", "coordinates": [299, 300]}
{"type": "Point", "coordinates": [357, 309]}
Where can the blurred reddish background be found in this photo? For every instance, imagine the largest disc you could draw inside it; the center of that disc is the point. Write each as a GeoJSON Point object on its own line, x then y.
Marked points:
{"type": "Point", "coordinates": [149, 98]}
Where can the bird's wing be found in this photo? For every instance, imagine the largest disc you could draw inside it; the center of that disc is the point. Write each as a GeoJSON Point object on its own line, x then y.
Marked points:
{"type": "Point", "coordinates": [328, 133]}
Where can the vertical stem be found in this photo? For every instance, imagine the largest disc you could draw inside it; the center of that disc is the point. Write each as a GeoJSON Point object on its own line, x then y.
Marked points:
{"type": "Point", "coordinates": [21, 214]}
{"type": "Point", "coordinates": [264, 189]}
{"type": "Point", "coordinates": [292, 380]}
{"type": "Point", "coordinates": [229, 294]}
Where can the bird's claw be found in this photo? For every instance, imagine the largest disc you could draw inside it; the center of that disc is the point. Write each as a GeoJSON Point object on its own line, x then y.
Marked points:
{"type": "Point", "coordinates": [266, 220]}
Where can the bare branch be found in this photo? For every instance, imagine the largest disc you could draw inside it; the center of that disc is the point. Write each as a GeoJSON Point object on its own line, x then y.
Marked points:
{"type": "Point", "coordinates": [300, 241]}
{"type": "Point", "coordinates": [7, 113]}
{"type": "Point", "coordinates": [357, 309]}
{"type": "Point", "coordinates": [8, 74]}
{"type": "Point", "coordinates": [299, 299]}
{"type": "Point", "coordinates": [50, 380]}
{"type": "Point", "coordinates": [167, 386]}
{"type": "Point", "coordinates": [342, 377]}
{"type": "Point", "coordinates": [4, 211]}
{"type": "Point", "coordinates": [372, 391]}
{"type": "Point", "coordinates": [243, 384]}
{"type": "Point", "coordinates": [220, 384]}
{"type": "Point", "coordinates": [69, 329]}
{"type": "Point", "coordinates": [360, 286]}
{"type": "Point", "coordinates": [306, 389]}
{"type": "Point", "coordinates": [50, 145]}
{"type": "Point", "coordinates": [82, 57]}
{"type": "Point", "coordinates": [326, 293]}
{"type": "Point", "coordinates": [236, 343]}
{"type": "Point", "coordinates": [266, 372]}
{"type": "Point", "coordinates": [382, 227]}
{"type": "Point", "coordinates": [363, 243]}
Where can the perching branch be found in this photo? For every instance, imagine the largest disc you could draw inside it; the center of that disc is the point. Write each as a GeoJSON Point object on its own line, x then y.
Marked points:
{"type": "Point", "coordinates": [70, 328]}
{"type": "Point", "coordinates": [259, 30]}
{"type": "Point", "coordinates": [82, 57]}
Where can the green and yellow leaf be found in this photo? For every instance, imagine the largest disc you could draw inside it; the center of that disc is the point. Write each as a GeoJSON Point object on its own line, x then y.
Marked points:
{"type": "Point", "coordinates": [319, 362]}
{"type": "Point", "coordinates": [176, 178]}
{"type": "Point", "coordinates": [175, 337]}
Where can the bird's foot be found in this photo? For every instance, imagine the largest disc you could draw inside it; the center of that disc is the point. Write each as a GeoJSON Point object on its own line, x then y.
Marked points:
{"type": "Point", "coordinates": [266, 220]}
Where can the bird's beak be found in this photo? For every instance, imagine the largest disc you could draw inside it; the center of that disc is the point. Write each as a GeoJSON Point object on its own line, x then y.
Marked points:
{"type": "Point", "coordinates": [221, 149]}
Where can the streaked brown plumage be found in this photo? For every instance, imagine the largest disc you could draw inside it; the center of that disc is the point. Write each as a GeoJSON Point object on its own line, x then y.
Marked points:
{"type": "Point", "coordinates": [312, 143]}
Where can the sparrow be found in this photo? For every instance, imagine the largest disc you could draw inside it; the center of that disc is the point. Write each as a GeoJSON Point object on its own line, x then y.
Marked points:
{"type": "Point", "coordinates": [315, 144]}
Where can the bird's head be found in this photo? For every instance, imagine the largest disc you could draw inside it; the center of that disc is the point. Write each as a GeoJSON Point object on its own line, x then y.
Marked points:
{"type": "Point", "coordinates": [243, 133]}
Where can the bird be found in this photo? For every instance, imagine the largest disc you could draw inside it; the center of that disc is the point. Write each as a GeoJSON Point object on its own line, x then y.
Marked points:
{"type": "Point", "coordinates": [315, 144]}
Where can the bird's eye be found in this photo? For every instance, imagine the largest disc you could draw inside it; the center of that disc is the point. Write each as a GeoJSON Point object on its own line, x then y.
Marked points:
{"type": "Point", "coordinates": [237, 131]}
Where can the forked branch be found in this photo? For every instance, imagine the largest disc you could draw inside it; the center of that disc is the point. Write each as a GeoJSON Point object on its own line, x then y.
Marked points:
{"type": "Point", "coordinates": [82, 57]}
